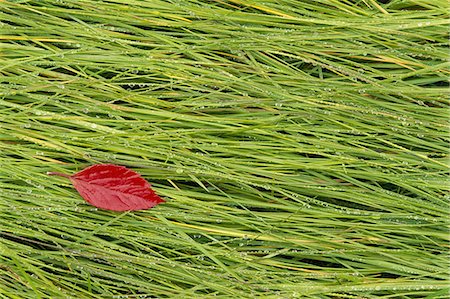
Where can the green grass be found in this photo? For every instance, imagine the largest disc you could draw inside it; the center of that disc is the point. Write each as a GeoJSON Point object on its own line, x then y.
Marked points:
{"type": "Point", "coordinates": [301, 146]}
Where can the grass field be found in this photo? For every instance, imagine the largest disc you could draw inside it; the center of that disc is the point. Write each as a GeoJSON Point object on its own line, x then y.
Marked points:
{"type": "Point", "coordinates": [301, 148]}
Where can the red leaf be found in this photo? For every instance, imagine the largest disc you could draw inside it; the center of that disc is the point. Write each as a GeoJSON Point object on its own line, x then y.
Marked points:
{"type": "Point", "coordinates": [113, 187]}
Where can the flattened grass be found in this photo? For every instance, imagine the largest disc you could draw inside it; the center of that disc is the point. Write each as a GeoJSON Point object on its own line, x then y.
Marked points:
{"type": "Point", "coordinates": [302, 148]}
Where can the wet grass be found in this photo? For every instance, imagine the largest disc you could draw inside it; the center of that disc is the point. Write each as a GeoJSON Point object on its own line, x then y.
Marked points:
{"type": "Point", "coordinates": [301, 146]}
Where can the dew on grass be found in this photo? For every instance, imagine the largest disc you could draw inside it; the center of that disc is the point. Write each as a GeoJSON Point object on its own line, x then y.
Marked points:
{"type": "Point", "coordinates": [267, 187]}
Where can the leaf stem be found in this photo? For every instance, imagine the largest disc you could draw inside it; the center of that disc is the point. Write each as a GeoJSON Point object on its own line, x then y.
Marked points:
{"type": "Point", "coordinates": [58, 174]}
